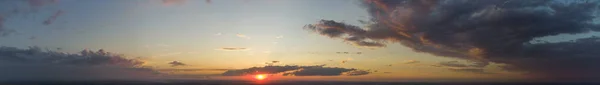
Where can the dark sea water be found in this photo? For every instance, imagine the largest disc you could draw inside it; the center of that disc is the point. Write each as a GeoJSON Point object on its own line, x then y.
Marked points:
{"type": "Point", "coordinates": [213, 82]}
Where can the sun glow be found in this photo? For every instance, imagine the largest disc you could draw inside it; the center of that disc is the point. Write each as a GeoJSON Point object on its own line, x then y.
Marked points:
{"type": "Point", "coordinates": [260, 76]}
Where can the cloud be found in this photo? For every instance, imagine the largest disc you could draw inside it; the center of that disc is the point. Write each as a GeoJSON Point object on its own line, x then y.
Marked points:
{"type": "Point", "coordinates": [4, 31]}
{"type": "Point", "coordinates": [344, 61]}
{"type": "Point", "coordinates": [348, 52]}
{"type": "Point", "coordinates": [181, 70]}
{"type": "Point", "coordinates": [233, 49]}
{"type": "Point", "coordinates": [173, 2]}
{"type": "Point", "coordinates": [35, 64]}
{"type": "Point", "coordinates": [38, 3]}
{"type": "Point", "coordinates": [287, 70]}
{"type": "Point", "coordinates": [271, 63]}
{"type": "Point", "coordinates": [242, 36]}
{"type": "Point", "coordinates": [32, 38]}
{"type": "Point", "coordinates": [169, 54]}
{"type": "Point", "coordinates": [208, 1]}
{"type": "Point", "coordinates": [452, 64]}
{"type": "Point", "coordinates": [411, 62]}
{"type": "Point", "coordinates": [218, 34]}
{"type": "Point", "coordinates": [14, 9]}
{"type": "Point", "coordinates": [476, 67]}
{"type": "Point", "coordinates": [348, 59]}
{"type": "Point", "coordinates": [176, 63]}
{"type": "Point", "coordinates": [470, 70]}
{"type": "Point", "coordinates": [498, 31]}
{"type": "Point", "coordinates": [51, 19]}
{"type": "Point", "coordinates": [279, 37]}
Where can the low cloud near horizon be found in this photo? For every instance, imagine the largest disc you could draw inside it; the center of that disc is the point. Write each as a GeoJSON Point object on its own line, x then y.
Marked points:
{"type": "Point", "coordinates": [294, 70]}
{"type": "Point", "coordinates": [35, 64]}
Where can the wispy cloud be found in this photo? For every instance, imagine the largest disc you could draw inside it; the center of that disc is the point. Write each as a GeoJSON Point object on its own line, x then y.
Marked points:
{"type": "Point", "coordinates": [38, 3]}
{"type": "Point", "coordinates": [173, 2]}
{"type": "Point", "coordinates": [242, 36]}
{"type": "Point", "coordinates": [470, 70]}
{"type": "Point", "coordinates": [348, 59]}
{"type": "Point", "coordinates": [233, 49]}
{"type": "Point", "coordinates": [318, 70]}
{"type": "Point", "coordinates": [452, 64]}
{"type": "Point", "coordinates": [279, 37]}
{"type": "Point", "coordinates": [52, 18]}
{"type": "Point", "coordinates": [410, 62]}
{"type": "Point", "coordinates": [169, 54]}
{"type": "Point", "coordinates": [184, 70]}
{"type": "Point", "coordinates": [462, 67]}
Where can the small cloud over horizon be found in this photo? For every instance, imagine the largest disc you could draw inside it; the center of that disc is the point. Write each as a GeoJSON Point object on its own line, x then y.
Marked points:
{"type": "Point", "coordinates": [177, 63]}
{"type": "Point", "coordinates": [233, 49]}
{"type": "Point", "coordinates": [294, 70]}
{"type": "Point", "coordinates": [411, 61]}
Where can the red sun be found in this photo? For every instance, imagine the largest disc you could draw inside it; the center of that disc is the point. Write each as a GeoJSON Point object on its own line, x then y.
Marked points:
{"type": "Point", "coordinates": [260, 77]}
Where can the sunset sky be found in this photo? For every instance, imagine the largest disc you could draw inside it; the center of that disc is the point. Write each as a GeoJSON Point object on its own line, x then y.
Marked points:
{"type": "Point", "coordinates": [213, 36]}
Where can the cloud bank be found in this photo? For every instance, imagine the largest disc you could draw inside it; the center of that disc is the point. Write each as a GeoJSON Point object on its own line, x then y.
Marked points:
{"type": "Point", "coordinates": [289, 70]}
{"type": "Point", "coordinates": [35, 64]}
{"type": "Point", "coordinates": [497, 31]}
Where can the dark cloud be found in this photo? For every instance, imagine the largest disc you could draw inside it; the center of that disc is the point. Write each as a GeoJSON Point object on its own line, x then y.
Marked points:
{"type": "Point", "coordinates": [452, 64]}
{"type": "Point", "coordinates": [193, 69]}
{"type": "Point", "coordinates": [470, 70]}
{"type": "Point", "coordinates": [176, 63]}
{"type": "Point", "coordinates": [51, 19]}
{"type": "Point", "coordinates": [357, 72]}
{"type": "Point", "coordinates": [35, 64]}
{"type": "Point", "coordinates": [476, 67]}
{"type": "Point", "coordinates": [272, 62]}
{"type": "Point", "coordinates": [484, 31]}
{"type": "Point", "coordinates": [233, 49]}
{"type": "Point", "coordinates": [287, 70]}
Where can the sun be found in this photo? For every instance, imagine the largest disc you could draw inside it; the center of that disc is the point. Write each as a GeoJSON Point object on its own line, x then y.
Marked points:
{"type": "Point", "coordinates": [260, 77]}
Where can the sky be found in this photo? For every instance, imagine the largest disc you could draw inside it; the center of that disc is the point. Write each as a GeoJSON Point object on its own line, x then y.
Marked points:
{"type": "Point", "coordinates": [371, 40]}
